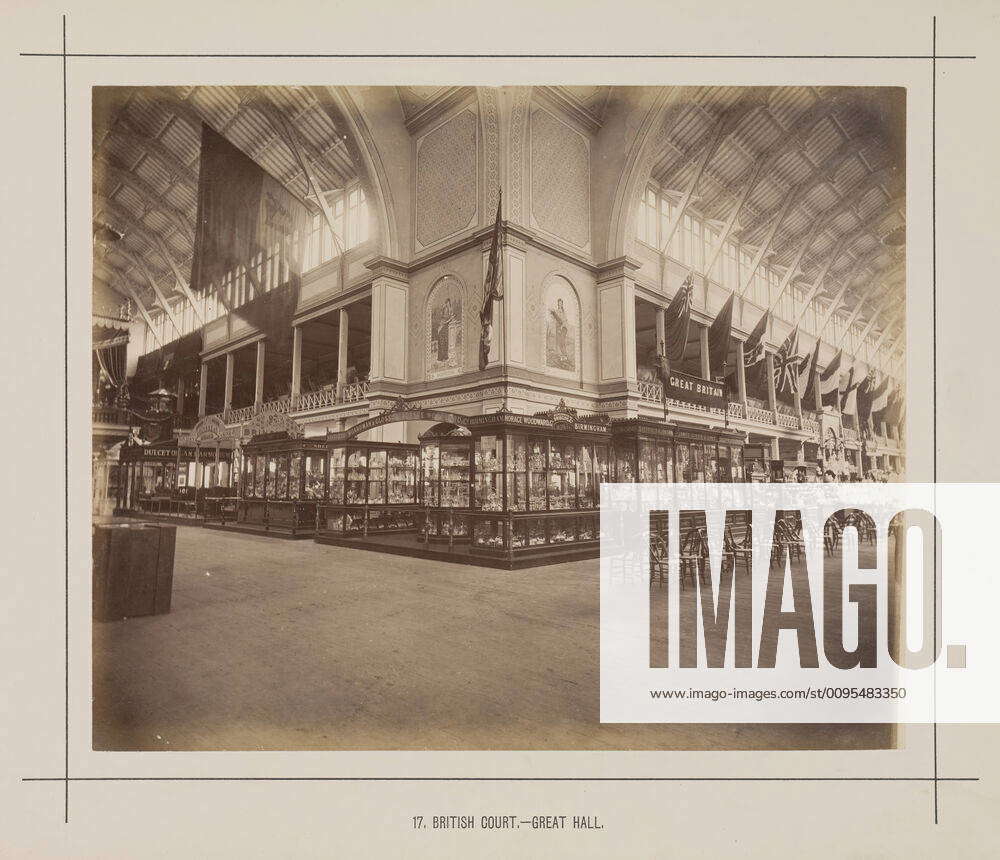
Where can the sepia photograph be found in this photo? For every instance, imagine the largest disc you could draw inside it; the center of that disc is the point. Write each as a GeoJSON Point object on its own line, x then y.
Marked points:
{"type": "Point", "coordinates": [364, 356]}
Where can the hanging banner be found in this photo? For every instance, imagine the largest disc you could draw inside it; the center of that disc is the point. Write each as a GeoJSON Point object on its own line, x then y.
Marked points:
{"type": "Point", "coordinates": [693, 389]}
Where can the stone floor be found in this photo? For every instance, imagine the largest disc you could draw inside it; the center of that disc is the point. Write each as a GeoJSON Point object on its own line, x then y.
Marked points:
{"type": "Point", "coordinates": [274, 644]}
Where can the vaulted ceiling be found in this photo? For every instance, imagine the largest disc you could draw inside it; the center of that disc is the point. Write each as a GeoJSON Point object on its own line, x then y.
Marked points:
{"type": "Point", "coordinates": [146, 143]}
{"type": "Point", "coordinates": [816, 173]}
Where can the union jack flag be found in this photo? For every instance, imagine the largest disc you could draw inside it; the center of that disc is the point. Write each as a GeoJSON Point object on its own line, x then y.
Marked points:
{"type": "Point", "coordinates": [786, 365]}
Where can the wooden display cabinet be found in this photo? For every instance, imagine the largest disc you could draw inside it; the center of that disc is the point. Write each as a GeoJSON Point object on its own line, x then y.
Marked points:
{"type": "Point", "coordinates": [282, 483]}
{"type": "Point", "coordinates": [372, 488]}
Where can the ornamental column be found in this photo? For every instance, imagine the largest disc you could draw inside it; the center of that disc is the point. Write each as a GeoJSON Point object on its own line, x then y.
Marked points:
{"type": "Point", "coordinates": [227, 402]}
{"type": "Point", "coordinates": [203, 391]}
{"type": "Point", "coordinates": [706, 364]}
{"type": "Point", "coordinates": [507, 342]}
{"type": "Point", "coordinates": [772, 396]}
{"type": "Point", "coordinates": [390, 313]}
{"type": "Point", "coordinates": [741, 374]}
{"type": "Point", "coordinates": [343, 332]}
{"type": "Point", "coordinates": [179, 405]}
{"type": "Point", "coordinates": [616, 362]}
{"type": "Point", "coordinates": [258, 388]}
{"type": "Point", "coordinates": [296, 388]}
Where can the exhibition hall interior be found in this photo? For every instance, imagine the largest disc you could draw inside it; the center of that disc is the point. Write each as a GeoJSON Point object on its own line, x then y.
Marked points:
{"type": "Point", "coordinates": [363, 358]}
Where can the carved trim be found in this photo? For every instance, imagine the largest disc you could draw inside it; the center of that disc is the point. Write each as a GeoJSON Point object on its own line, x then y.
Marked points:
{"type": "Point", "coordinates": [619, 267]}
{"type": "Point", "coordinates": [444, 102]}
{"type": "Point", "coordinates": [518, 132]}
{"type": "Point", "coordinates": [386, 267]}
{"type": "Point", "coordinates": [491, 150]}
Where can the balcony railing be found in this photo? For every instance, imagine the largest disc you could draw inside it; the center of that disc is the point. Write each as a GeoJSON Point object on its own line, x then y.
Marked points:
{"type": "Point", "coordinates": [110, 415]}
{"type": "Point", "coordinates": [316, 399]}
{"type": "Point", "coordinates": [308, 400]}
{"type": "Point", "coordinates": [355, 391]}
{"type": "Point", "coordinates": [761, 416]}
{"type": "Point", "coordinates": [651, 391]}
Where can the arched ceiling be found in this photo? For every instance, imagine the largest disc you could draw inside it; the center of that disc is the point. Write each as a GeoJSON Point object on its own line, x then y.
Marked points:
{"type": "Point", "coordinates": [146, 143]}
{"type": "Point", "coordinates": [820, 168]}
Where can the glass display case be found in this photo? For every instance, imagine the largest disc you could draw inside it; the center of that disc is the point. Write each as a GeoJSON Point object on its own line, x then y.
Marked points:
{"type": "Point", "coordinates": [372, 488]}
{"type": "Point", "coordinates": [170, 479]}
{"type": "Point", "coordinates": [649, 451]}
{"type": "Point", "coordinates": [513, 484]}
{"type": "Point", "coordinates": [446, 454]}
{"type": "Point", "coordinates": [283, 480]}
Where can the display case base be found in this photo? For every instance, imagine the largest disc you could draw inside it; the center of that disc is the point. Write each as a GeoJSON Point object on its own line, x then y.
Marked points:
{"type": "Point", "coordinates": [263, 531]}
{"type": "Point", "coordinates": [462, 553]}
{"type": "Point", "coordinates": [174, 519]}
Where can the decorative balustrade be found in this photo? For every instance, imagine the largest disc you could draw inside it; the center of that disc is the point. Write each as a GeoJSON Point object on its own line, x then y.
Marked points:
{"type": "Point", "coordinates": [850, 434]}
{"type": "Point", "coordinates": [280, 406]}
{"type": "Point", "coordinates": [789, 422]}
{"type": "Point", "coordinates": [354, 392]}
{"type": "Point", "coordinates": [651, 391]}
{"type": "Point", "coordinates": [761, 416]}
{"type": "Point", "coordinates": [736, 410]}
{"type": "Point", "coordinates": [238, 416]}
{"type": "Point", "coordinates": [316, 399]}
{"type": "Point", "coordinates": [110, 415]}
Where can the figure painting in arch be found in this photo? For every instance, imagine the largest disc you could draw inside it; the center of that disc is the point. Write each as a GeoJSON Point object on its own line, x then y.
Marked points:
{"type": "Point", "coordinates": [444, 328]}
{"type": "Point", "coordinates": [562, 326]}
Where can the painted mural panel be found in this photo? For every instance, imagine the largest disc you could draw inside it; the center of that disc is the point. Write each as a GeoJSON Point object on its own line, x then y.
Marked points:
{"type": "Point", "coordinates": [562, 326]}
{"type": "Point", "coordinates": [445, 310]}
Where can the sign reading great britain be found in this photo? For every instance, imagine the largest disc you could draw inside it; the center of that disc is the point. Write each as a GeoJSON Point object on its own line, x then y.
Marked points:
{"type": "Point", "coordinates": [696, 390]}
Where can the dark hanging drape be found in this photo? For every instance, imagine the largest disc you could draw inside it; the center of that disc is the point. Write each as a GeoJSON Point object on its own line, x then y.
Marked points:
{"type": "Point", "coordinates": [111, 358]}
{"type": "Point", "coordinates": [165, 365]}
{"type": "Point", "coordinates": [242, 212]}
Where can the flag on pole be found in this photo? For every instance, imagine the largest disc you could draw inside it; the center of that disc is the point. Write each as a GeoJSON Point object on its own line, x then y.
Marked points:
{"type": "Point", "coordinates": [848, 399]}
{"type": "Point", "coordinates": [753, 348]}
{"type": "Point", "coordinates": [880, 399]}
{"type": "Point", "coordinates": [492, 289]}
{"type": "Point", "coordinates": [807, 379]}
{"type": "Point", "coordinates": [829, 381]}
{"type": "Point", "coordinates": [719, 333]}
{"type": "Point", "coordinates": [677, 320]}
{"type": "Point", "coordinates": [865, 391]}
{"type": "Point", "coordinates": [753, 358]}
{"type": "Point", "coordinates": [786, 366]}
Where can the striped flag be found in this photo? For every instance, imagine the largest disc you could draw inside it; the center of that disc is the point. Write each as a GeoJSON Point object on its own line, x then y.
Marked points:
{"type": "Point", "coordinates": [807, 379]}
{"type": "Point", "coordinates": [829, 381]}
{"type": "Point", "coordinates": [492, 289]}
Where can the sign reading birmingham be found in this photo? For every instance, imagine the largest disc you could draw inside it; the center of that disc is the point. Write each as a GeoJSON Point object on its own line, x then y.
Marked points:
{"type": "Point", "coordinates": [798, 603]}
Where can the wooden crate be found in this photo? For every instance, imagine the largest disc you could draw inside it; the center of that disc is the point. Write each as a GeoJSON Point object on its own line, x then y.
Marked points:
{"type": "Point", "coordinates": [133, 570]}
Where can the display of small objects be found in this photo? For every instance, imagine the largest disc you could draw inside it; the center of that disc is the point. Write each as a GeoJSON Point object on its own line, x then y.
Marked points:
{"type": "Point", "coordinates": [488, 540]}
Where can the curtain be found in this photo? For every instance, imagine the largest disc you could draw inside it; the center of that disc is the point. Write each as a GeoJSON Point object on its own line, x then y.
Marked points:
{"type": "Point", "coordinates": [111, 358]}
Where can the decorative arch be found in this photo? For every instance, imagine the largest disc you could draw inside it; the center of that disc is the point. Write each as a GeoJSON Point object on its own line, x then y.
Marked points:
{"type": "Point", "coordinates": [561, 326]}
{"type": "Point", "coordinates": [340, 104]}
{"type": "Point", "coordinates": [637, 167]}
{"type": "Point", "coordinates": [444, 327]}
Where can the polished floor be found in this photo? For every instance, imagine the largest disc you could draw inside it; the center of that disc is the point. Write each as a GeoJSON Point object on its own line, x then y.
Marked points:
{"type": "Point", "coordinates": [290, 645]}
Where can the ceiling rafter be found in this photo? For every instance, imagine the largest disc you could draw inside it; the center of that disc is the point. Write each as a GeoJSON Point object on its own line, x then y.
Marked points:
{"type": "Point", "coordinates": [151, 197]}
